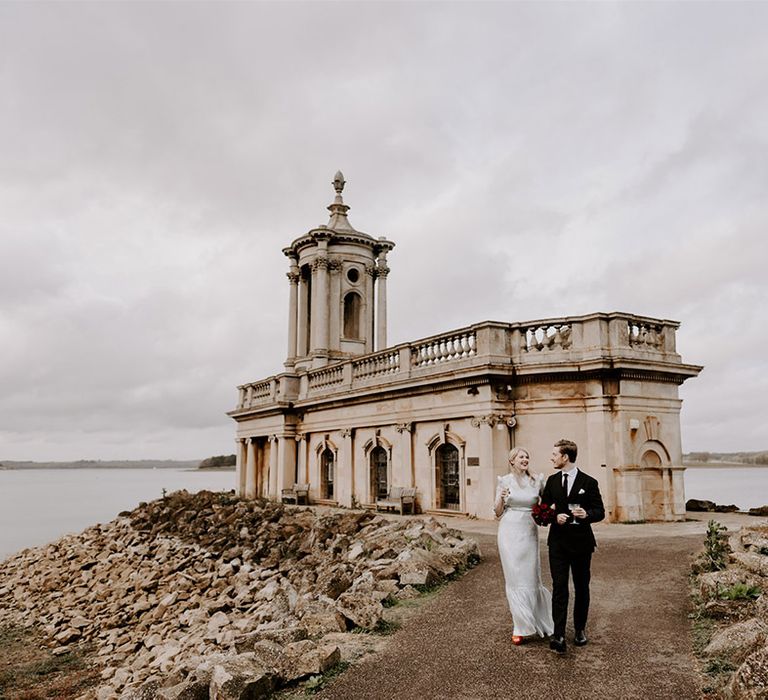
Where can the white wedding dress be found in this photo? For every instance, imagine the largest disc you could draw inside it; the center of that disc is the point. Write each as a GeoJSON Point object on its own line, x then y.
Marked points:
{"type": "Point", "coordinates": [518, 539]}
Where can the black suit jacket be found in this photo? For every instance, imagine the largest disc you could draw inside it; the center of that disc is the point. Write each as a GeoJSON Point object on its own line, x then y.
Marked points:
{"type": "Point", "coordinates": [577, 538]}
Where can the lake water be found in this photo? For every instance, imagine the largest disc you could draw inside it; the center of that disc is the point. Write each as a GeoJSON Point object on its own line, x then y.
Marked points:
{"type": "Point", "coordinates": [38, 506]}
{"type": "Point", "coordinates": [745, 487]}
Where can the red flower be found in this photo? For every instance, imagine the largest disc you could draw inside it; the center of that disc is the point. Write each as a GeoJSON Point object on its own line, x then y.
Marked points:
{"type": "Point", "coordinates": [543, 514]}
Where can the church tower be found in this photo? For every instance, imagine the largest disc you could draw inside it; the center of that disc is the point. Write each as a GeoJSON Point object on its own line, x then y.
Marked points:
{"type": "Point", "coordinates": [336, 273]}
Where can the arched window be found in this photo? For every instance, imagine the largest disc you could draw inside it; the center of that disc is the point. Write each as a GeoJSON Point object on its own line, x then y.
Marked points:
{"type": "Point", "coordinates": [352, 308]}
{"type": "Point", "coordinates": [447, 477]}
{"type": "Point", "coordinates": [326, 473]}
{"type": "Point", "coordinates": [379, 481]}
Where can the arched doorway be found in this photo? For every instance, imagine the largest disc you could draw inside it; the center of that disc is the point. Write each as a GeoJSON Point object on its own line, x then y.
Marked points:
{"type": "Point", "coordinates": [379, 478]}
{"type": "Point", "coordinates": [447, 477]}
{"type": "Point", "coordinates": [326, 473]}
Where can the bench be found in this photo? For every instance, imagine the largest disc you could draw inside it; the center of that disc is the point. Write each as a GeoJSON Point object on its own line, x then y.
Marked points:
{"type": "Point", "coordinates": [298, 493]}
{"type": "Point", "coordinates": [398, 497]}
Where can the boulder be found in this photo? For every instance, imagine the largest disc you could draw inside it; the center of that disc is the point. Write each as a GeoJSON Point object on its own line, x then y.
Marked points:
{"type": "Point", "coordinates": [306, 658]}
{"type": "Point", "coordinates": [756, 563]}
{"type": "Point", "coordinates": [239, 678]}
{"type": "Point", "coordinates": [360, 609]}
{"type": "Point", "coordinates": [737, 641]}
{"type": "Point", "coordinates": [280, 635]}
{"type": "Point", "coordinates": [699, 506]}
{"type": "Point", "coordinates": [750, 681]}
{"type": "Point", "coordinates": [186, 690]}
{"type": "Point", "coordinates": [760, 510]}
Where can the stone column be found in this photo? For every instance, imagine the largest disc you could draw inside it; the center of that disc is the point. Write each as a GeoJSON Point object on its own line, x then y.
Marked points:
{"type": "Point", "coordinates": [370, 276]}
{"type": "Point", "coordinates": [381, 303]}
{"type": "Point", "coordinates": [481, 494]}
{"type": "Point", "coordinates": [334, 304]}
{"type": "Point", "coordinates": [320, 319]}
{"type": "Point", "coordinates": [302, 476]}
{"type": "Point", "coordinates": [286, 464]}
{"type": "Point", "coordinates": [274, 469]}
{"type": "Point", "coordinates": [293, 315]}
{"type": "Point", "coordinates": [302, 332]}
{"type": "Point", "coordinates": [250, 468]}
{"type": "Point", "coordinates": [240, 466]}
{"type": "Point", "coordinates": [345, 483]}
{"type": "Point", "coordinates": [405, 468]}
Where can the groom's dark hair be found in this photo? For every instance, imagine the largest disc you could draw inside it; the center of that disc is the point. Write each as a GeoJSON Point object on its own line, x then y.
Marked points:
{"type": "Point", "coordinates": [568, 448]}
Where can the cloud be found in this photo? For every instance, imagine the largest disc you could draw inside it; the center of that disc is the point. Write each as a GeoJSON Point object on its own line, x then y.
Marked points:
{"type": "Point", "coordinates": [529, 161]}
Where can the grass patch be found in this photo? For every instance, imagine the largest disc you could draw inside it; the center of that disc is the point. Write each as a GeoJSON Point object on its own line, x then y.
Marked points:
{"type": "Point", "coordinates": [739, 591]}
{"type": "Point", "coordinates": [29, 671]}
{"type": "Point", "coordinates": [316, 683]}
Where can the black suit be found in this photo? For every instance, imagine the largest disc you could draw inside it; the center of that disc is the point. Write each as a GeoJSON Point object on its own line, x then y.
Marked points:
{"type": "Point", "coordinates": [571, 546]}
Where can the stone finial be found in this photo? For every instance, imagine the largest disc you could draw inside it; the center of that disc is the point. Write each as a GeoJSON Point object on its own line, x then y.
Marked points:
{"type": "Point", "coordinates": [338, 220]}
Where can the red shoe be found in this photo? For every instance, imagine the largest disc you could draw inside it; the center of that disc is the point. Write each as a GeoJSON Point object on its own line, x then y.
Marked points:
{"type": "Point", "coordinates": [517, 641]}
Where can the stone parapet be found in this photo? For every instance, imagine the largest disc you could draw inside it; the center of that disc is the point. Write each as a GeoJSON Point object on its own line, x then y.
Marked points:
{"type": "Point", "coordinates": [604, 343]}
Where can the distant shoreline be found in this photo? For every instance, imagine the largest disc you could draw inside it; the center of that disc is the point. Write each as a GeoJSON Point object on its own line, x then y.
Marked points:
{"type": "Point", "coordinates": [10, 465]}
{"type": "Point", "coordinates": [723, 465]}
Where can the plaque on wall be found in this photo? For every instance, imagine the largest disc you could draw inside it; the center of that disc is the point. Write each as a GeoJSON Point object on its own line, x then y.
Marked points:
{"type": "Point", "coordinates": [473, 461]}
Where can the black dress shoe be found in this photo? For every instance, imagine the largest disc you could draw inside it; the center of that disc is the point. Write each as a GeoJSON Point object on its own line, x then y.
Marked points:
{"type": "Point", "coordinates": [557, 644]}
{"type": "Point", "coordinates": [580, 639]}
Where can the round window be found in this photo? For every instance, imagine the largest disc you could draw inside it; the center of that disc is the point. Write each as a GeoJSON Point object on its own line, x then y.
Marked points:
{"type": "Point", "coordinates": [353, 275]}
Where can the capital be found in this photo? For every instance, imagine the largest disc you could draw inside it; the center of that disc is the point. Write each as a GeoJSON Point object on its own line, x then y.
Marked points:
{"type": "Point", "coordinates": [320, 263]}
{"type": "Point", "coordinates": [293, 277]}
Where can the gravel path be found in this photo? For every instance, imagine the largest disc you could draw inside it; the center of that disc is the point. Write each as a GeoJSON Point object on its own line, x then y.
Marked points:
{"type": "Point", "coordinates": [458, 645]}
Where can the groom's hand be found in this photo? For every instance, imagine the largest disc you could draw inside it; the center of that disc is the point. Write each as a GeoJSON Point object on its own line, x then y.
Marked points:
{"type": "Point", "coordinates": [579, 513]}
{"type": "Point", "coordinates": [562, 518]}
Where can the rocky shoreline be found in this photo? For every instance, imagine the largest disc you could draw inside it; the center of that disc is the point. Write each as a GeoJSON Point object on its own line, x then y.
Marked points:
{"type": "Point", "coordinates": [208, 596]}
{"type": "Point", "coordinates": [701, 506]}
{"type": "Point", "coordinates": [731, 621]}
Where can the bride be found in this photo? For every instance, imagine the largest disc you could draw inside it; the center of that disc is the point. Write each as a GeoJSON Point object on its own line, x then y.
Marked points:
{"type": "Point", "coordinates": [518, 539]}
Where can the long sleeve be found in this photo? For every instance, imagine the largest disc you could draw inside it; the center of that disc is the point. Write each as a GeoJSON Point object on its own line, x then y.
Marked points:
{"type": "Point", "coordinates": [595, 509]}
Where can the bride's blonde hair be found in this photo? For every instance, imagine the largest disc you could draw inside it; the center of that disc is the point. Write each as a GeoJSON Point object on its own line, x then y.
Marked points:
{"type": "Point", "coordinates": [513, 455]}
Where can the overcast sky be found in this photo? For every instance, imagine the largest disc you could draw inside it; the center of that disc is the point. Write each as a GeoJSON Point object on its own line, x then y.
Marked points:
{"type": "Point", "coordinates": [529, 161]}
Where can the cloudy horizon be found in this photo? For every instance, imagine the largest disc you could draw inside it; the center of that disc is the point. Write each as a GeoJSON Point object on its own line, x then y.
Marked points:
{"type": "Point", "coordinates": [528, 160]}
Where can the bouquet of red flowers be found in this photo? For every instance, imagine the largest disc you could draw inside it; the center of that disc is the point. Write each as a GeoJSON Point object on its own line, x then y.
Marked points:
{"type": "Point", "coordinates": [543, 514]}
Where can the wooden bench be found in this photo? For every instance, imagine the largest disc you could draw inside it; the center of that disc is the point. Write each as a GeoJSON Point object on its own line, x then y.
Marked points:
{"type": "Point", "coordinates": [297, 494]}
{"type": "Point", "coordinates": [398, 497]}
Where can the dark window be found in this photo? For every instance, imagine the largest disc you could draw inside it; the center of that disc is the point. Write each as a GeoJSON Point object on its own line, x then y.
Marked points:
{"type": "Point", "coordinates": [379, 482]}
{"type": "Point", "coordinates": [352, 315]}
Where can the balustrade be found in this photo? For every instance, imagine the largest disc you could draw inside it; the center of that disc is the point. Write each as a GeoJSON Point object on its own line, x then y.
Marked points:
{"type": "Point", "coordinates": [325, 377]}
{"type": "Point", "coordinates": [571, 339]}
{"type": "Point", "coordinates": [376, 365]}
{"type": "Point", "coordinates": [444, 349]}
{"type": "Point", "coordinates": [547, 336]}
{"type": "Point", "coordinates": [645, 336]}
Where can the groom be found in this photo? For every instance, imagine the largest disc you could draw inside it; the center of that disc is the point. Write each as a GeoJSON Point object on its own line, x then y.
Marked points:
{"type": "Point", "coordinates": [578, 503]}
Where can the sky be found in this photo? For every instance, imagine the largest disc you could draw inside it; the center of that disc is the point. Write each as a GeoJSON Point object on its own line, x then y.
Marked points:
{"type": "Point", "coordinates": [529, 161]}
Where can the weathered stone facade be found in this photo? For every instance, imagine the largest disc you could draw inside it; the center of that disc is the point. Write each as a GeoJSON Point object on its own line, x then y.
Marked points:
{"type": "Point", "coordinates": [441, 413]}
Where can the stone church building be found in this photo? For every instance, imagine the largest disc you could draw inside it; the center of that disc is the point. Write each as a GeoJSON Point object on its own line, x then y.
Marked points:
{"type": "Point", "coordinates": [353, 416]}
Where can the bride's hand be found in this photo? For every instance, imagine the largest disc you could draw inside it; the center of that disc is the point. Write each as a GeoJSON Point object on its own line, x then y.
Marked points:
{"type": "Point", "coordinates": [504, 494]}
